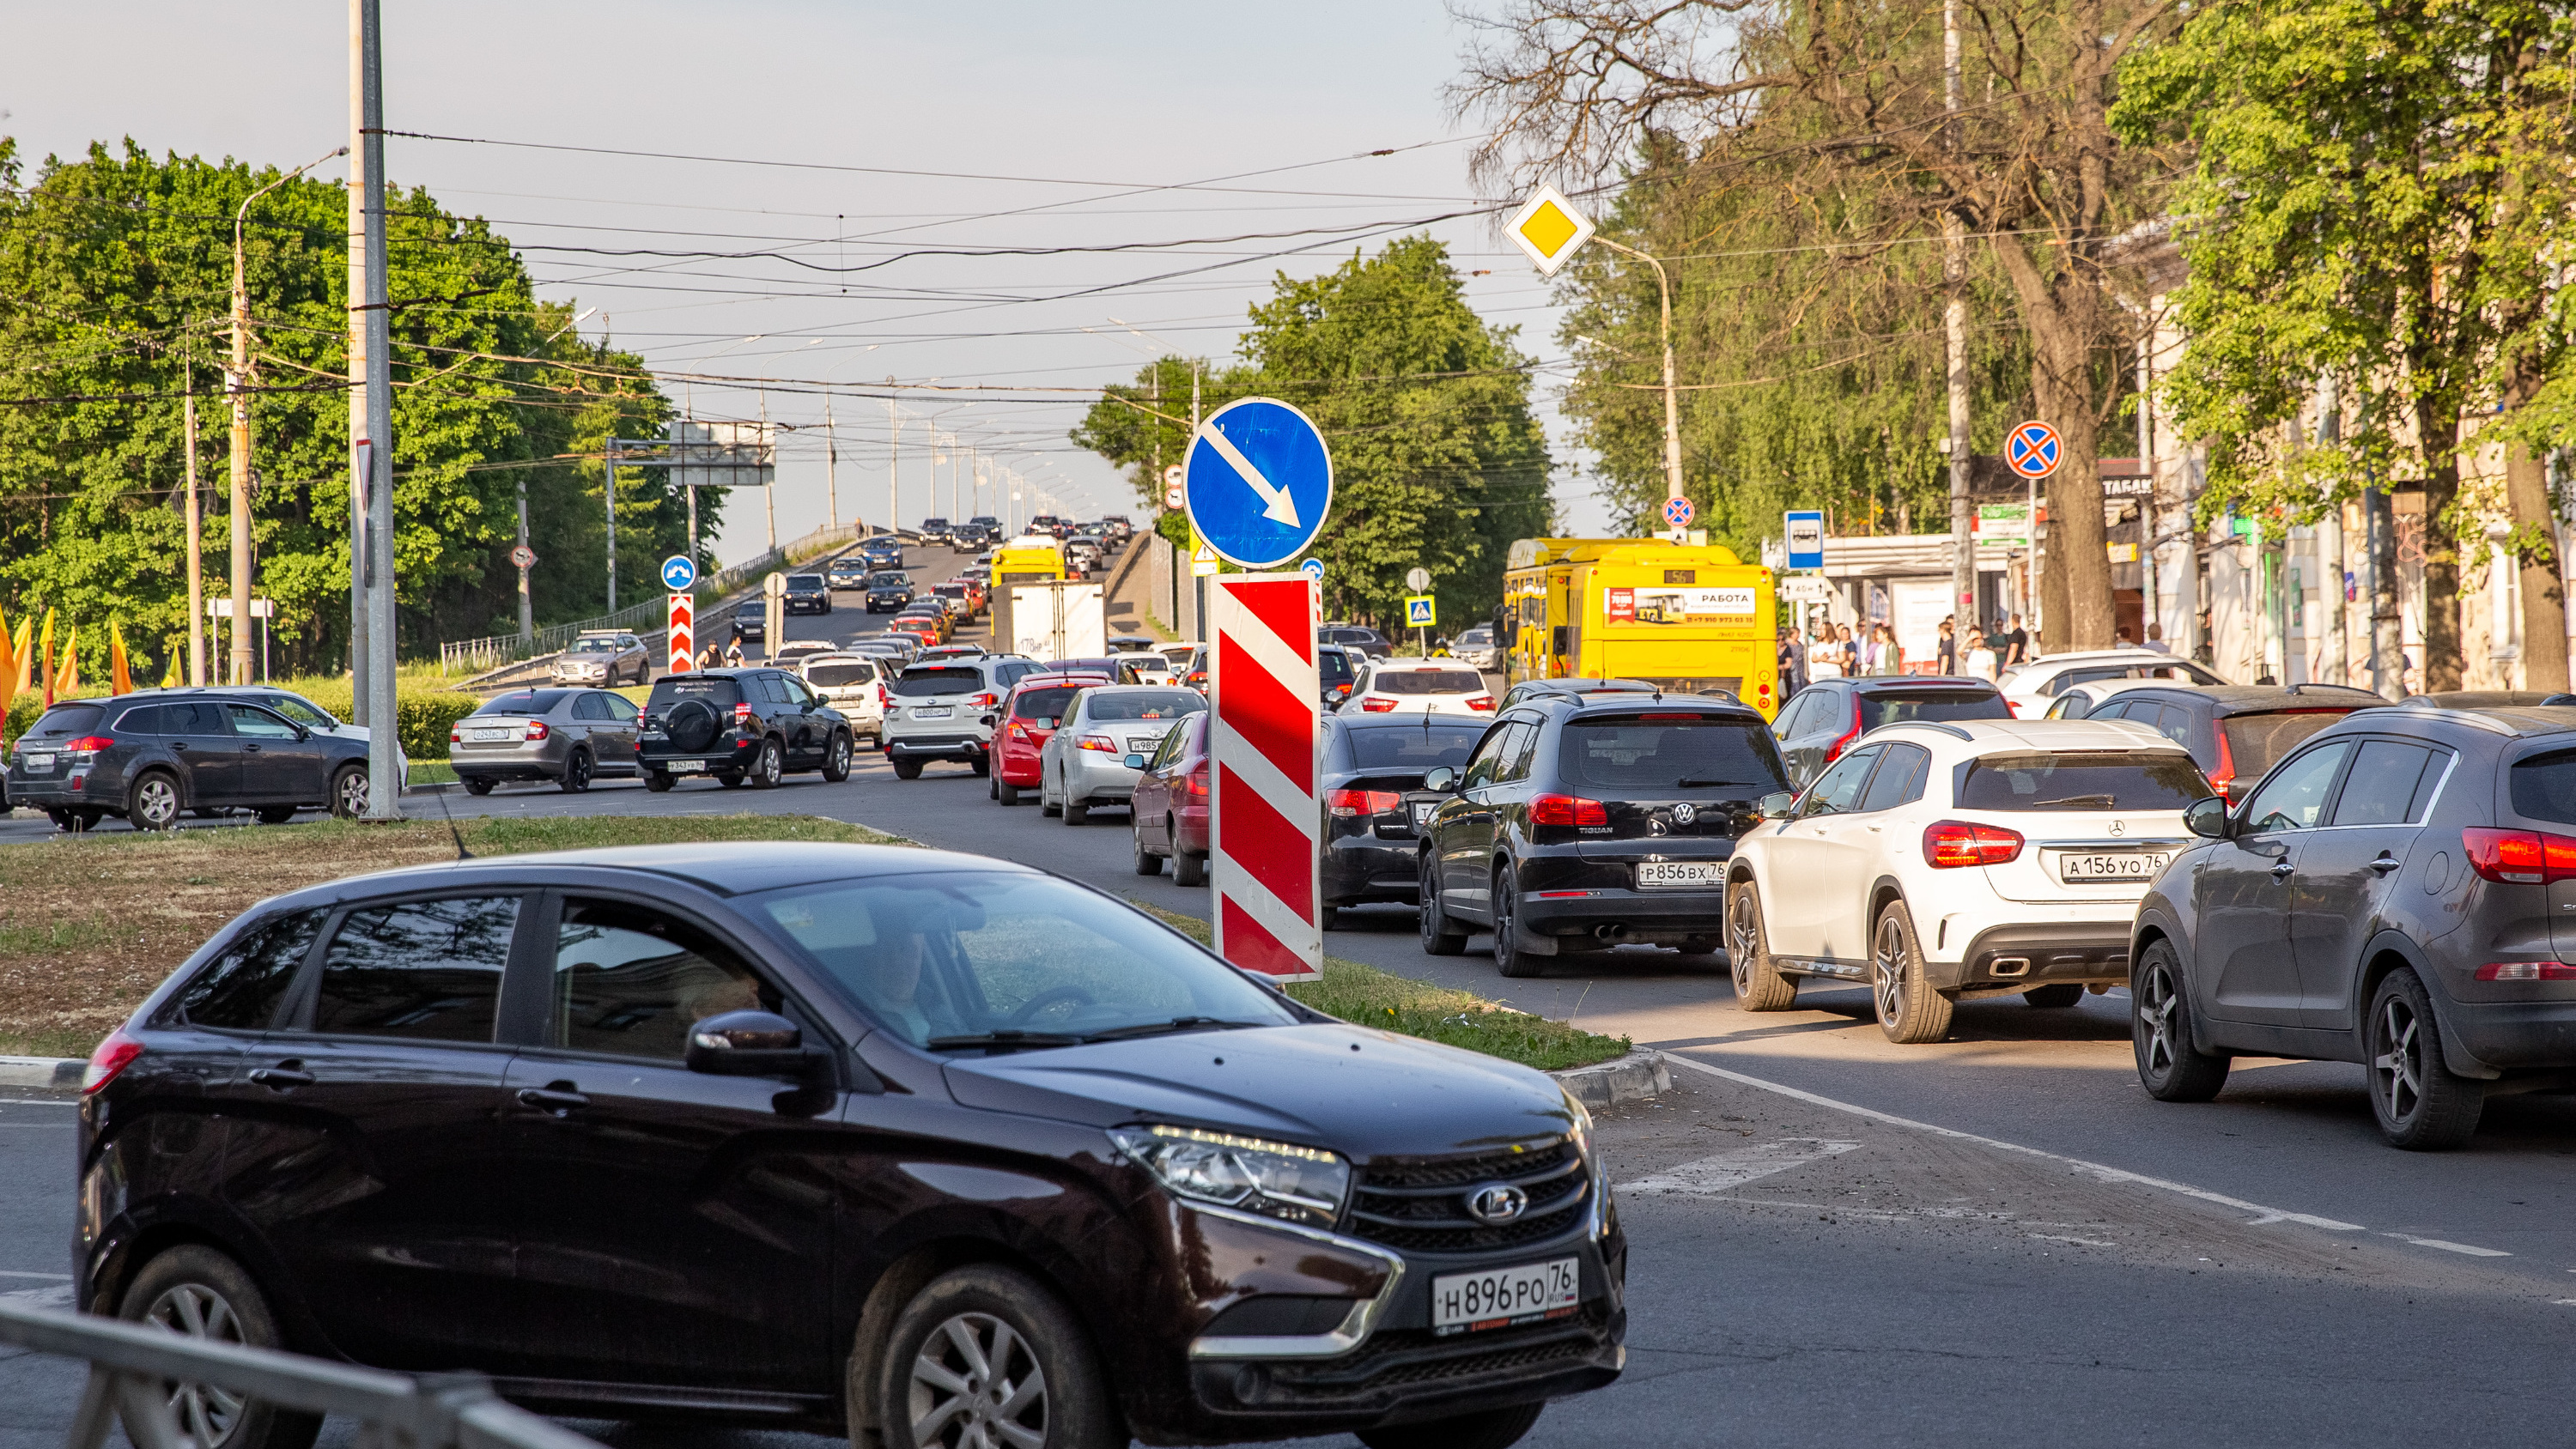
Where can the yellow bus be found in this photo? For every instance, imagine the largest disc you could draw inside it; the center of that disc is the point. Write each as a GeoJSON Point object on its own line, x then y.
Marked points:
{"type": "Point", "coordinates": [1691, 619]}
{"type": "Point", "coordinates": [1031, 559]}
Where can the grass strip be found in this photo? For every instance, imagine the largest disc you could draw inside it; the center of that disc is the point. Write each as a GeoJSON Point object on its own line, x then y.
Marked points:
{"type": "Point", "coordinates": [1366, 996]}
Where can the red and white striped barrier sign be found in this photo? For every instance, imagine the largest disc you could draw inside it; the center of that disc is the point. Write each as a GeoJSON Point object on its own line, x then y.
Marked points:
{"type": "Point", "coordinates": [684, 641]}
{"type": "Point", "coordinates": [1263, 821]}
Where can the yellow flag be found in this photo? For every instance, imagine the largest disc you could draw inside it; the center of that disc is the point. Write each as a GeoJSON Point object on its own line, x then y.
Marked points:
{"type": "Point", "coordinates": [120, 671]}
{"type": "Point", "coordinates": [67, 673]}
{"type": "Point", "coordinates": [23, 649]}
{"type": "Point", "coordinates": [45, 659]}
{"type": "Point", "coordinates": [170, 676]}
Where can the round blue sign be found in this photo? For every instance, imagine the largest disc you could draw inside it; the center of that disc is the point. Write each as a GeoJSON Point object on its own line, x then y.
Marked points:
{"type": "Point", "coordinates": [1258, 482]}
{"type": "Point", "coordinates": [678, 573]}
{"type": "Point", "coordinates": [2033, 450]}
{"type": "Point", "coordinates": [1677, 512]}
{"type": "Point", "coordinates": [1312, 568]}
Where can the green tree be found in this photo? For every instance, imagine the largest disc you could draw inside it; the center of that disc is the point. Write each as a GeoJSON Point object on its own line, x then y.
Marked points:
{"type": "Point", "coordinates": [2383, 198]}
{"type": "Point", "coordinates": [1437, 460]}
{"type": "Point", "coordinates": [115, 276]}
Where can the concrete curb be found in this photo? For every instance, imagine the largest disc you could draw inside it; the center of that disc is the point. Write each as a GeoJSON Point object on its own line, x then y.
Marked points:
{"type": "Point", "coordinates": [1633, 1078]}
{"type": "Point", "coordinates": [41, 1071]}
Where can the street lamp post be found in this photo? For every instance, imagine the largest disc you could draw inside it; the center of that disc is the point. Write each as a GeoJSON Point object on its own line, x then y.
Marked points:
{"type": "Point", "coordinates": [1672, 394]}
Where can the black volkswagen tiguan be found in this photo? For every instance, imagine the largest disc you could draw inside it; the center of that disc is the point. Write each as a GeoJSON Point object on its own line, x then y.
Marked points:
{"type": "Point", "coordinates": [926, 1148]}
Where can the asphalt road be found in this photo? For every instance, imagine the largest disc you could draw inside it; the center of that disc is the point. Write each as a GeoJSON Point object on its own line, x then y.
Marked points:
{"type": "Point", "coordinates": [2016, 1246]}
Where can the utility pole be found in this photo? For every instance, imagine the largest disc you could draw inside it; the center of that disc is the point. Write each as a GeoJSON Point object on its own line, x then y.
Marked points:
{"type": "Point", "coordinates": [608, 468]}
{"type": "Point", "coordinates": [894, 462]}
{"type": "Point", "coordinates": [769, 495]}
{"type": "Point", "coordinates": [196, 534]}
{"type": "Point", "coordinates": [831, 465]}
{"type": "Point", "coordinates": [1672, 392]}
{"type": "Point", "coordinates": [1954, 281]}
{"type": "Point", "coordinates": [527, 604]}
{"type": "Point", "coordinates": [1198, 585]}
{"type": "Point", "coordinates": [384, 770]}
{"type": "Point", "coordinates": [237, 385]}
{"type": "Point", "coordinates": [358, 414]}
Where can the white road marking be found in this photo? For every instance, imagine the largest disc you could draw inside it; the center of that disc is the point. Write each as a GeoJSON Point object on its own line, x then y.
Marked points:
{"type": "Point", "coordinates": [58, 1296]}
{"type": "Point", "coordinates": [2081, 1242]}
{"type": "Point", "coordinates": [36, 1102]}
{"type": "Point", "coordinates": [1710, 1176]}
{"type": "Point", "coordinates": [1282, 508]}
{"type": "Point", "coordinates": [48, 1277]}
{"type": "Point", "coordinates": [2094, 1170]}
{"type": "Point", "coordinates": [2449, 1247]}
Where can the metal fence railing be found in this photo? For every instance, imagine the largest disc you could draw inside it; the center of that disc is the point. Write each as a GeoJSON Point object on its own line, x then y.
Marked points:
{"type": "Point", "coordinates": [132, 1368]}
{"type": "Point", "coordinates": [493, 651]}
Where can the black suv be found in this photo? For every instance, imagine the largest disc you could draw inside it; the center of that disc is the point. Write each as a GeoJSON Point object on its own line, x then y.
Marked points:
{"type": "Point", "coordinates": [1365, 642]}
{"type": "Point", "coordinates": [154, 754]}
{"type": "Point", "coordinates": [2394, 893]}
{"type": "Point", "coordinates": [1822, 720]}
{"type": "Point", "coordinates": [740, 725]}
{"type": "Point", "coordinates": [1372, 762]}
{"type": "Point", "coordinates": [807, 594]}
{"type": "Point", "coordinates": [910, 1146]}
{"type": "Point", "coordinates": [2235, 732]}
{"type": "Point", "coordinates": [889, 590]}
{"type": "Point", "coordinates": [1587, 822]}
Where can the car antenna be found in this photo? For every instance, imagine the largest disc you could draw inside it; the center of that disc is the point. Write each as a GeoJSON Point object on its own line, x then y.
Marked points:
{"type": "Point", "coordinates": [452, 832]}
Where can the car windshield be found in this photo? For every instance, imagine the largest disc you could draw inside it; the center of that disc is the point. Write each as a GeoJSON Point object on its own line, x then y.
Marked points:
{"type": "Point", "coordinates": [1135, 704]}
{"type": "Point", "coordinates": [1427, 681]}
{"type": "Point", "coordinates": [1049, 703]}
{"type": "Point", "coordinates": [921, 683]}
{"type": "Point", "coordinates": [806, 582]}
{"type": "Point", "coordinates": [1413, 747]}
{"type": "Point", "coordinates": [889, 580]}
{"type": "Point", "coordinates": [1002, 960]}
{"type": "Point", "coordinates": [526, 701]}
{"type": "Point", "coordinates": [1646, 753]}
{"type": "Point", "coordinates": [302, 711]}
{"type": "Point", "coordinates": [825, 676]}
{"type": "Point", "coordinates": [594, 646]}
{"type": "Point", "coordinates": [1889, 706]}
{"type": "Point", "coordinates": [2256, 742]}
{"type": "Point", "coordinates": [2083, 780]}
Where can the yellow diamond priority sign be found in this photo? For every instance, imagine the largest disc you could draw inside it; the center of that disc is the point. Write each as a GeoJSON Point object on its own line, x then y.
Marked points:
{"type": "Point", "coordinates": [1549, 229]}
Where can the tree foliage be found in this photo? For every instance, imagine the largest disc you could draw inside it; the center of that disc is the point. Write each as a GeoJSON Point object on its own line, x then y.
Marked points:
{"type": "Point", "coordinates": [115, 278]}
{"type": "Point", "coordinates": [1437, 460]}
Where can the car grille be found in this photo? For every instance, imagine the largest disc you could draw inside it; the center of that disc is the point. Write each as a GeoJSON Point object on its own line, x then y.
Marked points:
{"type": "Point", "coordinates": [1420, 1205]}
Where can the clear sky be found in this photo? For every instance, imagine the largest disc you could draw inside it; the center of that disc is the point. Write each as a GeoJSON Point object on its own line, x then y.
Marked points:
{"type": "Point", "coordinates": [1104, 123]}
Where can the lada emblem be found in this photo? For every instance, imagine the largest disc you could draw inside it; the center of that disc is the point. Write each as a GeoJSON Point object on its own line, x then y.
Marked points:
{"type": "Point", "coordinates": [1497, 1202]}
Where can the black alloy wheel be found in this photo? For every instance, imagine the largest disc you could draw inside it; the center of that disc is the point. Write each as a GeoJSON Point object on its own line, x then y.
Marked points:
{"type": "Point", "coordinates": [836, 757]}
{"type": "Point", "coordinates": [1440, 935]}
{"type": "Point", "coordinates": [349, 792]}
{"type": "Point", "coordinates": [576, 775]}
{"type": "Point", "coordinates": [1511, 957]}
{"type": "Point", "coordinates": [477, 786]}
{"type": "Point", "coordinates": [657, 781]}
{"type": "Point", "coordinates": [770, 765]}
{"type": "Point", "coordinates": [730, 779]}
{"type": "Point", "coordinates": [153, 802]}
{"type": "Point", "coordinates": [196, 1292]}
{"type": "Point", "coordinates": [2169, 1066]}
{"type": "Point", "coordinates": [1759, 986]}
{"type": "Point", "coordinates": [981, 764]}
{"type": "Point", "coordinates": [2421, 1104]}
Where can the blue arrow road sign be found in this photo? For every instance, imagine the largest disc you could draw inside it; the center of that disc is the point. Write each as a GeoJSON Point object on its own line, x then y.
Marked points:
{"type": "Point", "coordinates": [678, 573]}
{"type": "Point", "coordinates": [1259, 482]}
{"type": "Point", "coordinates": [1312, 568]}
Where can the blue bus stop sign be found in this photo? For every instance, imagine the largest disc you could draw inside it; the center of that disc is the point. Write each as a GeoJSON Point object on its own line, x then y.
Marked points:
{"type": "Point", "coordinates": [1258, 482]}
{"type": "Point", "coordinates": [678, 573]}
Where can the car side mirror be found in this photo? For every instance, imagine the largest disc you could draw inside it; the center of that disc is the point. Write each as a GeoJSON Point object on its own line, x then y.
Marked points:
{"type": "Point", "coordinates": [1776, 805]}
{"type": "Point", "coordinates": [2207, 816]}
{"type": "Point", "coordinates": [1442, 778]}
{"type": "Point", "coordinates": [1135, 762]}
{"type": "Point", "coordinates": [748, 1044]}
{"type": "Point", "coordinates": [302, 734]}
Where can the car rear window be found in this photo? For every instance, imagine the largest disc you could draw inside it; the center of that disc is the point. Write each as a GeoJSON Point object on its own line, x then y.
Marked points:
{"type": "Point", "coordinates": [69, 719]}
{"type": "Point", "coordinates": [1427, 681]}
{"type": "Point", "coordinates": [829, 675]}
{"type": "Point", "coordinates": [1416, 747]}
{"type": "Point", "coordinates": [917, 683]}
{"type": "Point", "coordinates": [720, 691]}
{"type": "Point", "coordinates": [1642, 752]}
{"type": "Point", "coordinates": [2544, 787]}
{"type": "Point", "coordinates": [1889, 706]}
{"type": "Point", "coordinates": [1048, 703]}
{"type": "Point", "coordinates": [1147, 704]}
{"type": "Point", "coordinates": [2082, 780]}
{"type": "Point", "coordinates": [527, 701]}
{"type": "Point", "coordinates": [2256, 742]}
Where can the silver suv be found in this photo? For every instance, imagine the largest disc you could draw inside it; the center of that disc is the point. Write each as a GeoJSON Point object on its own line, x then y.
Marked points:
{"type": "Point", "coordinates": [604, 657]}
{"type": "Point", "coordinates": [943, 710]}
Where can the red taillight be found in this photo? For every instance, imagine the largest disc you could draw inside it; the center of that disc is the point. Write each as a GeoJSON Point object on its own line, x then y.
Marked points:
{"type": "Point", "coordinates": [1835, 750]}
{"type": "Point", "coordinates": [88, 745]}
{"type": "Point", "coordinates": [2519, 857]}
{"type": "Point", "coordinates": [1480, 702]}
{"type": "Point", "coordinates": [457, 737]}
{"type": "Point", "coordinates": [1102, 743]}
{"type": "Point", "coordinates": [884, 700]}
{"type": "Point", "coordinates": [113, 1056]}
{"type": "Point", "coordinates": [1567, 810]}
{"type": "Point", "coordinates": [1350, 804]}
{"type": "Point", "coordinates": [1376, 704]}
{"type": "Point", "coordinates": [1949, 844]}
{"type": "Point", "coordinates": [536, 730]}
{"type": "Point", "coordinates": [986, 700]}
{"type": "Point", "coordinates": [2527, 971]}
{"type": "Point", "coordinates": [2015, 706]}
{"type": "Point", "coordinates": [1668, 716]}
{"type": "Point", "coordinates": [1199, 782]}
{"type": "Point", "coordinates": [1019, 731]}
{"type": "Point", "coordinates": [2223, 779]}
{"type": "Point", "coordinates": [742, 715]}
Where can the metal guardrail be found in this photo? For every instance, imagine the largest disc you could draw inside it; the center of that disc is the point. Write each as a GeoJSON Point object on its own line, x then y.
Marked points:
{"type": "Point", "coordinates": [494, 650]}
{"type": "Point", "coordinates": [132, 1368]}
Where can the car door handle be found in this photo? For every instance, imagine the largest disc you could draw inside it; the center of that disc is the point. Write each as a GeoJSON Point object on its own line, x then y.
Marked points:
{"type": "Point", "coordinates": [2384, 864]}
{"type": "Point", "coordinates": [547, 1099]}
{"type": "Point", "coordinates": [179, 745]}
{"type": "Point", "coordinates": [2284, 868]}
{"type": "Point", "coordinates": [281, 1078]}
{"type": "Point", "coordinates": [250, 749]}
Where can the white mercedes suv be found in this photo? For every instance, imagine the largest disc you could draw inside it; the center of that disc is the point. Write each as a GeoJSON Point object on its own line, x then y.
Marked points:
{"type": "Point", "coordinates": [1936, 861]}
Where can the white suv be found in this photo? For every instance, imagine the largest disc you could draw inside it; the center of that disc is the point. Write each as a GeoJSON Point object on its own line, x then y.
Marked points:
{"type": "Point", "coordinates": [1441, 686]}
{"type": "Point", "coordinates": [1971, 858]}
{"type": "Point", "coordinates": [856, 685]}
{"type": "Point", "coordinates": [943, 710]}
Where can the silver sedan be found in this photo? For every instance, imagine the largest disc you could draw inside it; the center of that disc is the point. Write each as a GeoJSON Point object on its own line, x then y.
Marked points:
{"type": "Point", "coordinates": [1084, 762]}
{"type": "Point", "coordinates": [568, 736]}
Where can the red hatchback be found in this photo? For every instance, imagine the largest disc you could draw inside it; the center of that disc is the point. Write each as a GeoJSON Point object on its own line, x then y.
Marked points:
{"type": "Point", "coordinates": [1027, 717]}
{"type": "Point", "coordinates": [1169, 810]}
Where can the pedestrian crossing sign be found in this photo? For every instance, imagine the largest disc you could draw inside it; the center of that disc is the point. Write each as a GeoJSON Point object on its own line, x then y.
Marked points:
{"type": "Point", "coordinates": [1417, 612]}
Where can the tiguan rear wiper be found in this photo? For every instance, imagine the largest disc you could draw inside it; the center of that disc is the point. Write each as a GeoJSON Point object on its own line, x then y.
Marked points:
{"type": "Point", "coordinates": [1714, 780]}
{"type": "Point", "coordinates": [1178, 1023]}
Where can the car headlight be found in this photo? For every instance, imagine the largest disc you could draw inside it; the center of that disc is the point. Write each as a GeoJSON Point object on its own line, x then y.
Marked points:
{"type": "Point", "coordinates": [1276, 1179]}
